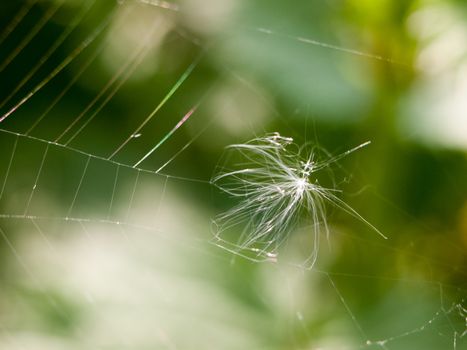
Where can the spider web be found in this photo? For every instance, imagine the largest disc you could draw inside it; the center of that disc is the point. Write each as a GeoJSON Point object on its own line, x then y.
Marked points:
{"type": "Point", "coordinates": [132, 267]}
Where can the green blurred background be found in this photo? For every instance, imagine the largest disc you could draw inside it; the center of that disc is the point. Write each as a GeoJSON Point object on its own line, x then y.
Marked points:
{"type": "Point", "coordinates": [97, 255]}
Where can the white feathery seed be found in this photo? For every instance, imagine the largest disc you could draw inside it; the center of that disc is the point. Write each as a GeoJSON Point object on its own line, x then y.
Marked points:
{"type": "Point", "coordinates": [277, 188]}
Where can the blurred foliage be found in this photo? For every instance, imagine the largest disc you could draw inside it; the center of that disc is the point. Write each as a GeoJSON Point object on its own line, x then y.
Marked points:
{"type": "Point", "coordinates": [335, 73]}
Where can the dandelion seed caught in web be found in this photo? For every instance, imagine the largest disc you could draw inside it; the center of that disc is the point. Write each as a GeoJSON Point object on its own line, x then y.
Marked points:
{"type": "Point", "coordinates": [276, 183]}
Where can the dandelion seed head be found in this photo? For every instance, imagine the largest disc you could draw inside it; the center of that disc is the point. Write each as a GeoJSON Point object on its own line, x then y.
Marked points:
{"type": "Point", "coordinates": [275, 183]}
